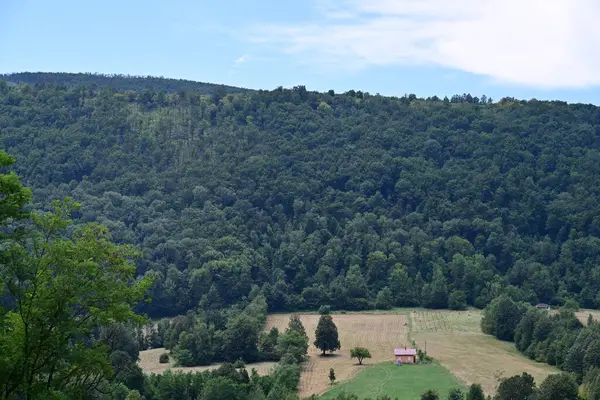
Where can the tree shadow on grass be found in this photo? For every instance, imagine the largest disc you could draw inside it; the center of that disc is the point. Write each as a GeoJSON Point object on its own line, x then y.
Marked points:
{"type": "Point", "coordinates": [329, 355]}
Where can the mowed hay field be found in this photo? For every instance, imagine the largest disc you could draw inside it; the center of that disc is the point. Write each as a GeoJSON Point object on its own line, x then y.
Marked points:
{"type": "Point", "coordinates": [150, 365]}
{"type": "Point", "coordinates": [454, 338]}
{"type": "Point", "coordinates": [583, 315]}
{"type": "Point", "coordinates": [378, 332]}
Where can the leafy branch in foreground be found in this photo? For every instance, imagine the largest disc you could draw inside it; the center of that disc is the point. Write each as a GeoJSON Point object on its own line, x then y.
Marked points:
{"type": "Point", "coordinates": [59, 292]}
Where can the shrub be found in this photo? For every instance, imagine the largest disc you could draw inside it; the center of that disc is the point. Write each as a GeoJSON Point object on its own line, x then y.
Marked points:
{"type": "Point", "coordinates": [239, 363]}
{"type": "Point", "coordinates": [325, 310]}
{"type": "Point", "coordinates": [457, 300]}
{"type": "Point", "coordinates": [423, 357]}
{"type": "Point", "coordinates": [571, 305]}
{"type": "Point", "coordinates": [164, 358]}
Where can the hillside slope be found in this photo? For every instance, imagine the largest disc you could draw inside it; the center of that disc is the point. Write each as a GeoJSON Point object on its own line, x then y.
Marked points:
{"type": "Point", "coordinates": [119, 82]}
{"type": "Point", "coordinates": [352, 200]}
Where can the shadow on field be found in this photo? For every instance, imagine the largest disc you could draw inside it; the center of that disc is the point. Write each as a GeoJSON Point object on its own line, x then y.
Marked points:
{"type": "Point", "coordinates": [329, 355]}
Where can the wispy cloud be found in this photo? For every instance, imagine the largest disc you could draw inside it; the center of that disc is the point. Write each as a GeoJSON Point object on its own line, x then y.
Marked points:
{"type": "Point", "coordinates": [242, 59]}
{"type": "Point", "coordinates": [543, 43]}
{"type": "Point", "coordinates": [237, 64]}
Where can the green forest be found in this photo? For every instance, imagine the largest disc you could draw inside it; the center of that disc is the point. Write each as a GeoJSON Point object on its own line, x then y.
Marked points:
{"type": "Point", "coordinates": [119, 82]}
{"type": "Point", "coordinates": [123, 196]}
{"type": "Point", "coordinates": [558, 339]}
{"type": "Point", "coordinates": [353, 200]}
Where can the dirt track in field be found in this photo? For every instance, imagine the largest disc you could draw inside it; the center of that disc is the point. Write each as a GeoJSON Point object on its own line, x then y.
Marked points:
{"type": "Point", "coordinates": [454, 338]}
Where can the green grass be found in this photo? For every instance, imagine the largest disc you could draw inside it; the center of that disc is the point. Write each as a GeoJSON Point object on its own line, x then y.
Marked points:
{"type": "Point", "coordinates": [407, 382]}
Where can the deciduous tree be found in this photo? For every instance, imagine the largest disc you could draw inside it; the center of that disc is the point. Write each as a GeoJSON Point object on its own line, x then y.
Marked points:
{"type": "Point", "coordinates": [558, 387]}
{"type": "Point", "coordinates": [326, 335]}
{"type": "Point", "coordinates": [360, 353]}
{"type": "Point", "coordinates": [61, 292]}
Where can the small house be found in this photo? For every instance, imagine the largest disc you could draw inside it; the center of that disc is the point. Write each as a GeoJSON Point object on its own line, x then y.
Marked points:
{"type": "Point", "coordinates": [543, 307]}
{"type": "Point", "coordinates": [405, 355]}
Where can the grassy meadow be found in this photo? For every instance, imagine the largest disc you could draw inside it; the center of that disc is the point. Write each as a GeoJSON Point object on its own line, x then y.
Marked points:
{"type": "Point", "coordinates": [405, 382]}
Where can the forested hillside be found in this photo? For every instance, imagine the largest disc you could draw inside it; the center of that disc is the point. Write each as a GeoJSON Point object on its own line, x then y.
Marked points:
{"type": "Point", "coordinates": [118, 82]}
{"type": "Point", "coordinates": [352, 200]}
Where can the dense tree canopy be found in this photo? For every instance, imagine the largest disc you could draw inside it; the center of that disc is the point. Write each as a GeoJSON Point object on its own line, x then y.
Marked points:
{"type": "Point", "coordinates": [119, 82]}
{"type": "Point", "coordinates": [521, 387]}
{"type": "Point", "coordinates": [352, 200]}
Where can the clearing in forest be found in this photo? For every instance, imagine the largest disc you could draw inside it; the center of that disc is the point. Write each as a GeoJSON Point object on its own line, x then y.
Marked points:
{"type": "Point", "coordinates": [150, 365]}
{"type": "Point", "coordinates": [583, 315]}
{"type": "Point", "coordinates": [454, 338]}
{"type": "Point", "coordinates": [377, 332]}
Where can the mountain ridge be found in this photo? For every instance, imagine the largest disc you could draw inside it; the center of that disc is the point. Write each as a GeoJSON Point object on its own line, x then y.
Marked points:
{"type": "Point", "coordinates": [120, 82]}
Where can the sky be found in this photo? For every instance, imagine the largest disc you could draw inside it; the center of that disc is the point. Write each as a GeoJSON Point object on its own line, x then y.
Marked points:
{"type": "Point", "coordinates": [544, 49]}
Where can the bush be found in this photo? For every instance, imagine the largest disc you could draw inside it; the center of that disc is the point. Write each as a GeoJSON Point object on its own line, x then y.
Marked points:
{"type": "Point", "coordinates": [325, 310]}
{"type": "Point", "coordinates": [571, 305]}
{"type": "Point", "coordinates": [430, 395]}
{"type": "Point", "coordinates": [423, 357]}
{"type": "Point", "coordinates": [239, 363]}
{"type": "Point", "coordinates": [384, 299]}
{"type": "Point", "coordinates": [164, 358]}
{"type": "Point", "coordinates": [457, 300]}
{"type": "Point", "coordinates": [292, 342]}
{"type": "Point", "coordinates": [288, 359]}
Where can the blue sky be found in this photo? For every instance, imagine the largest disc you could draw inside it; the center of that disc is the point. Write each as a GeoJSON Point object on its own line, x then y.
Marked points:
{"type": "Point", "coordinates": [545, 49]}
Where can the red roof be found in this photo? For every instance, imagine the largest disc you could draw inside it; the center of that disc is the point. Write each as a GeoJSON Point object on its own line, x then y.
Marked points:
{"type": "Point", "coordinates": [405, 352]}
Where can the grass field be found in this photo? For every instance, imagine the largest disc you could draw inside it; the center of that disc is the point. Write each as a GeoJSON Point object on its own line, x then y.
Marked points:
{"type": "Point", "coordinates": [150, 365]}
{"type": "Point", "coordinates": [379, 333]}
{"type": "Point", "coordinates": [454, 339]}
{"type": "Point", "coordinates": [407, 382]}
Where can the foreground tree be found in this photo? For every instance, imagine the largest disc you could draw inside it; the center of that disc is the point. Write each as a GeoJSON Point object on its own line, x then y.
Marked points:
{"type": "Point", "coordinates": [475, 392]}
{"type": "Point", "coordinates": [591, 384]}
{"type": "Point", "coordinates": [326, 335]}
{"type": "Point", "coordinates": [58, 293]}
{"type": "Point", "coordinates": [360, 353]}
{"type": "Point", "coordinates": [558, 387]}
{"type": "Point", "coordinates": [517, 387]}
{"type": "Point", "coordinates": [430, 395]}
{"type": "Point", "coordinates": [501, 318]}
{"type": "Point", "coordinates": [456, 394]}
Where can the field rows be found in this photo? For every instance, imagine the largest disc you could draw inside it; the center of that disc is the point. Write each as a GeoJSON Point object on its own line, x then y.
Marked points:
{"type": "Point", "coordinates": [379, 333]}
{"type": "Point", "coordinates": [454, 338]}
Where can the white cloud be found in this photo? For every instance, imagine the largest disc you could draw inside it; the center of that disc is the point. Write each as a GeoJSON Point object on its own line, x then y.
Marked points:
{"type": "Point", "coordinates": [242, 59]}
{"type": "Point", "coordinates": [544, 43]}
